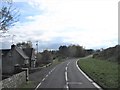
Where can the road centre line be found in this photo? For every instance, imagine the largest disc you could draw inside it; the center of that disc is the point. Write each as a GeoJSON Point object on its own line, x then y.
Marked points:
{"type": "Point", "coordinates": [67, 87]}
{"type": "Point", "coordinates": [66, 68]}
{"type": "Point", "coordinates": [66, 78]}
{"type": "Point", "coordinates": [96, 85]}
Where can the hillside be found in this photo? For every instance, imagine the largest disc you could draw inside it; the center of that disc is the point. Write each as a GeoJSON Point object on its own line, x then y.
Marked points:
{"type": "Point", "coordinates": [110, 54]}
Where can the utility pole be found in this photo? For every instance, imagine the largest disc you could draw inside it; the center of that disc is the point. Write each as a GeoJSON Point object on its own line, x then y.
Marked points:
{"type": "Point", "coordinates": [37, 49]}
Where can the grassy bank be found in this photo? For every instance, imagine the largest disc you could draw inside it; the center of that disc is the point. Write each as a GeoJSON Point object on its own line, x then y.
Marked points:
{"type": "Point", "coordinates": [103, 72]}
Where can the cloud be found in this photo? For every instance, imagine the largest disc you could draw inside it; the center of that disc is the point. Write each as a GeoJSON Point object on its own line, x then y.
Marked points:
{"type": "Point", "coordinates": [88, 23]}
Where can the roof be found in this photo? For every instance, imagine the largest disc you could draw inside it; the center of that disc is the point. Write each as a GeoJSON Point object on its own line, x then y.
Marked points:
{"type": "Point", "coordinates": [28, 52]}
{"type": "Point", "coordinates": [25, 53]}
{"type": "Point", "coordinates": [4, 51]}
{"type": "Point", "coordinates": [21, 52]}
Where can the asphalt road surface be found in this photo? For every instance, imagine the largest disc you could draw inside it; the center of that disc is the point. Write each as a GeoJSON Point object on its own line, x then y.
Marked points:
{"type": "Point", "coordinates": [66, 75]}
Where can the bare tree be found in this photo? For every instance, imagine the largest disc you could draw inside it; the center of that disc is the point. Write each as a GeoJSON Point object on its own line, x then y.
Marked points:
{"type": "Point", "coordinates": [8, 15]}
{"type": "Point", "coordinates": [27, 44]}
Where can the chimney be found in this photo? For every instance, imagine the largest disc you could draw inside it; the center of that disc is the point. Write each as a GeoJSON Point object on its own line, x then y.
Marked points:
{"type": "Point", "coordinates": [12, 46]}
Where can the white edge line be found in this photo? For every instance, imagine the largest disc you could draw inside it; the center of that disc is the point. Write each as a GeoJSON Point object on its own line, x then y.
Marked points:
{"type": "Point", "coordinates": [49, 73]}
{"type": "Point", "coordinates": [43, 79]}
{"type": "Point", "coordinates": [52, 69]}
{"type": "Point", "coordinates": [38, 86]}
{"type": "Point", "coordinates": [44, 66]}
{"type": "Point", "coordinates": [46, 76]}
{"type": "Point", "coordinates": [95, 84]}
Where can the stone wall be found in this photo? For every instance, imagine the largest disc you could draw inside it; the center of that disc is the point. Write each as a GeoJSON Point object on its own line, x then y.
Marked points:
{"type": "Point", "coordinates": [14, 81]}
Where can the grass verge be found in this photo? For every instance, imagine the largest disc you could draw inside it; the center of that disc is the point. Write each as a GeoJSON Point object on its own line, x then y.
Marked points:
{"type": "Point", "coordinates": [27, 85]}
{"type": "Point", "coordinates": [103, 72]}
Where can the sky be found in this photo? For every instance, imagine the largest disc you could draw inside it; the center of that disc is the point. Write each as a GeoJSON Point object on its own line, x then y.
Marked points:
{"type": "Point", "coordinates": [92, 24]}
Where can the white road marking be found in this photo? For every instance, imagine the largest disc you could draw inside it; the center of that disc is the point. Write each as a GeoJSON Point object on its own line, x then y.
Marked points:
{"type": "Point", "coordinates": [44, 66]}
{"type": "Point", "coordinates": [38, 86]}
{"type": "Point", "coordinates": [49, 73]}
{"type": "Point", "coordinates": [66, 78]}
{"type": "Point", "coordinates": [74, 83]}
{"type": "Point", "coordinates": [43, 79]}
{"type": "Point", "coordinates": [67, 87]}
{"type": "Point", "coordinates": [97, 86]}
{"type": "Point", "coordinates": [52, 69]}
{"type": "Point", "coordinates": [46, 76]}
{"type": "Point", "coordinates": [68, 63]}
{"type": "Point", "coordinates": [66, 68]}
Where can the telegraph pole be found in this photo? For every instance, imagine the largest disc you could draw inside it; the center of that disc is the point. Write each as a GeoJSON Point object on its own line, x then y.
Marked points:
{"type": "Point", "coordinates": [37, 49]}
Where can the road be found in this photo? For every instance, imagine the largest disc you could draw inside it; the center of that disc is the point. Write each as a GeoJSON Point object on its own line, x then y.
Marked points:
{"type": "Point", "coordinates": [66, 75]}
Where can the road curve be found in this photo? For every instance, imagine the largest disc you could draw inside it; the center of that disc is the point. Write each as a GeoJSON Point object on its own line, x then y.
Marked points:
{"type": "Point", "coordinates": [66, 75]}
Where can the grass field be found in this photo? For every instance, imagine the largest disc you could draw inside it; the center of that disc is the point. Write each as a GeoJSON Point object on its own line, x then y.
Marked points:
{"type": "Point", "coordinates": [103, 72]}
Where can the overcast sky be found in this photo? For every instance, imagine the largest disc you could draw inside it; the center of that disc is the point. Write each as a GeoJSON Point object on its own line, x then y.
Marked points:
{"type": "Point", "coordinates": [89, 23]}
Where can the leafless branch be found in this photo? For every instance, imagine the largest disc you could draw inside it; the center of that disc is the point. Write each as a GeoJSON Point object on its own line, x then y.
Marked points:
{"type": "Point", "coordinates": [9, 15]}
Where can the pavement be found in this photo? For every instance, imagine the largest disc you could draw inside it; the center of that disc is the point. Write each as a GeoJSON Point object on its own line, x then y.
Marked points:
{"type": "Point", "coordinates": [66, 75]}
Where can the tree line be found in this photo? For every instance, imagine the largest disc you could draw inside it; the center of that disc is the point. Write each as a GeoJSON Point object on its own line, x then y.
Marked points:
{"type": "Point", "coordinates": [47, 56]}
{"type": "Point", "coordinates": [71, 51]}
{"type": "Point", "coordinates": [109, 54]}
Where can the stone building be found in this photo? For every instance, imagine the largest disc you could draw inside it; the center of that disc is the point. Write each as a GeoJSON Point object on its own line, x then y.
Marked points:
{"type": "Point", "coordinates": [17, 57]}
